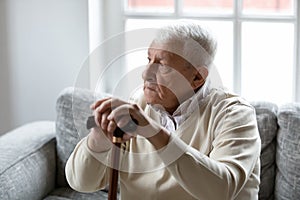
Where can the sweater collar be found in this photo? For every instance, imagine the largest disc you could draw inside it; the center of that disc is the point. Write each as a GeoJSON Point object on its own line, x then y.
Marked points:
{"type": "Point", "coordinates": [188, 106]}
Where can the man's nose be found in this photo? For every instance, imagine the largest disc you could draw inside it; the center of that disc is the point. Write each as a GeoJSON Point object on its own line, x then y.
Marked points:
{"type": "Point", "coordinates": [149, 74]}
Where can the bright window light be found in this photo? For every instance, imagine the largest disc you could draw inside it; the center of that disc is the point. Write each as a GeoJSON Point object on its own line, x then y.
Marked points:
{"type": "Point", "coordinates": [257, 46]}
{"type": "Point", "coordinates": [267, 61]}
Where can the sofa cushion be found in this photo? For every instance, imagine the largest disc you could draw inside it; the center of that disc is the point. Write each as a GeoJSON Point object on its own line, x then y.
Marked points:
{"type": "Point", "coordinates": [288, 152]}
{"type": "Point", "coordinates": [73, 109]}
{"type": "Point", "coordinates": [27, 161]}
{"type": "Point", "coordinates": [267, 125]}
{"type": "Point", "coordinates": [66, 193]}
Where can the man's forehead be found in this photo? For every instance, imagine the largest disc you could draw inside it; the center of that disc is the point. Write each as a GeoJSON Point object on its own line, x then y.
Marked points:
{"type": "Point", "coordinates": [173, 47]}
{"type": "Point", "coordinates": [162, 51]}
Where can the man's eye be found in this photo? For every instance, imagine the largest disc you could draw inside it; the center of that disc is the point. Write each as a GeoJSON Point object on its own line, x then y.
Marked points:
{"type": "Point", "coordinates": [163, 69]}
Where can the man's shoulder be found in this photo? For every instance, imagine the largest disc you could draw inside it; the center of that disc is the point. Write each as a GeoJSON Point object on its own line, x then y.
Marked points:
{"type": "Point", "coordinates": [224, 98]}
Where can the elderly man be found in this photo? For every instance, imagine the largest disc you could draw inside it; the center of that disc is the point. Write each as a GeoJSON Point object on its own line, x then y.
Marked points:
{"type": "Point", "coordinates": [193, 141]}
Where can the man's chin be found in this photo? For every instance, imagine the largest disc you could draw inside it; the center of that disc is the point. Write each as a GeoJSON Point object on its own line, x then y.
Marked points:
{"type": "Point", "coordinates": [150, 100]}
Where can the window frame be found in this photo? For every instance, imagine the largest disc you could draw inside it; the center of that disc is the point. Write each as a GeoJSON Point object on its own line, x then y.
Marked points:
{"type": "Point", "coordinates": [237, 18]}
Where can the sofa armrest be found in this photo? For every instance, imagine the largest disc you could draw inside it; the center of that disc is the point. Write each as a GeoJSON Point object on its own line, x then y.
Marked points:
{"type": "Point", "coordinates": [27, 161]}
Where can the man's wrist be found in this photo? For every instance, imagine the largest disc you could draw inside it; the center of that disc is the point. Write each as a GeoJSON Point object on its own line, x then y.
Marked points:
{"type": "Point", "coordinates": [98, 143]}
{"type": "Point", "coordinates": [160, 140]}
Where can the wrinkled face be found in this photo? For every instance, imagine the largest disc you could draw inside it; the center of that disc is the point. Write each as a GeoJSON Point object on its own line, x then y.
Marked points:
{"type": "Point", "coordinates": [169, 79]}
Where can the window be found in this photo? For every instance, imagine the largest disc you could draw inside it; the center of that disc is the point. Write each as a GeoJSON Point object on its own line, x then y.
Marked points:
{"type": "Point", "coordinates": [258, 47]}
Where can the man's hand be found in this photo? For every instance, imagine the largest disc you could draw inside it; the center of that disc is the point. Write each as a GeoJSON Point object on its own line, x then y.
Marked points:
{"type": "Point", "coordinates": [111, 113]}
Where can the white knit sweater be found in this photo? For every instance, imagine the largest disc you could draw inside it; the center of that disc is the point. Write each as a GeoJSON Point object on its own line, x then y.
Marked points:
{"type": "Point", "coordinates": [213, 154]}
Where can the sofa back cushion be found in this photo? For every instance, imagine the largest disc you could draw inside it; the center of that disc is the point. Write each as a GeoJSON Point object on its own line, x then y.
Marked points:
{"type": "Point", "coordinates": [267, 125]}
{"type": "Point", "coordinates": [73, 109]}
{"type": "Point", "coordinates": [288, 152]}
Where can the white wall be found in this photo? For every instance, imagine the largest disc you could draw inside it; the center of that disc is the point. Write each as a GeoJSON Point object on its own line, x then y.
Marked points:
{"type": "Point", "coordinates": [42, 45]}
{"type": "Point", "coordinates": [106, 25]}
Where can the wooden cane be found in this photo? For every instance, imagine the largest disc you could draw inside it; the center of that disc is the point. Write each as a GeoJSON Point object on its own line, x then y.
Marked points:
{"type": "Point", "coordinates": [115, 159]}
{"type": "Point", "coordinates": [115, 156]}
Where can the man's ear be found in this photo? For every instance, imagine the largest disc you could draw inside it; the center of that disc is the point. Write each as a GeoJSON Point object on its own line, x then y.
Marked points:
{"type": "Point", "coordinates": [200, 76]}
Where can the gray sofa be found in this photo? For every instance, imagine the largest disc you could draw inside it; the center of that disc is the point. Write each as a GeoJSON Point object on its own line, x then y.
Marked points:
{"type": "Point", "coordinates": [33, 156]}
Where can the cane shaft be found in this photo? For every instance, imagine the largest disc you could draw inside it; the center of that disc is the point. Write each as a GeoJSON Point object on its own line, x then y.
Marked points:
{"type": "Point", "coordinates": [114, 172]}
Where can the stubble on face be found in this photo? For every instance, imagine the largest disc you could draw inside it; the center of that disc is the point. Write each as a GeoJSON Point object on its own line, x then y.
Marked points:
{"type": "Point", "coordinates": [164, 89]}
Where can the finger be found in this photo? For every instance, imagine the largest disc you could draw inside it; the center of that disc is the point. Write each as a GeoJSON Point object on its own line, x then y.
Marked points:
{"type": "Point", "coordinates": [104, 121]}
{"type": "Point", "coordinates": [103, 110]}
{"type": "Point", "coordinates": [101, 119]}
{"type": "Point", "coordinates": [111, 127]}
{"type": "Point", "coordinates": [100, 110]}
{"type": "Point", "coordinates": [97, 118]}
{"type": "Point", "coordinates": [131, 111]}
{"type": "Point", "coordinates": [98, 103]}
{"type": "Point", "coordinates": [109, 104]}
{"type": "Point", "coordinates": [123, 119]}
{"type": "Point", "coordinates": [119, 112]}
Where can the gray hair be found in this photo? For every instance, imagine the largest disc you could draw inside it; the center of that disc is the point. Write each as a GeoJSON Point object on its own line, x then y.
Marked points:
{"type": "Point", "coordinates": [189, 40]}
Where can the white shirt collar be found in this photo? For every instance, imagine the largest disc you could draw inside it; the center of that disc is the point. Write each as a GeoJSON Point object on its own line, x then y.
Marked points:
{"type": "Point", "coordinates": [184, 110]}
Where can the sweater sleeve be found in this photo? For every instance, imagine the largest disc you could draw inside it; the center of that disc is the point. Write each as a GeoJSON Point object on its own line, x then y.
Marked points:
{"type": "Point", "coordinates": [85, 171]}
{"type": "Point", "coordinates": [224, 172]}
